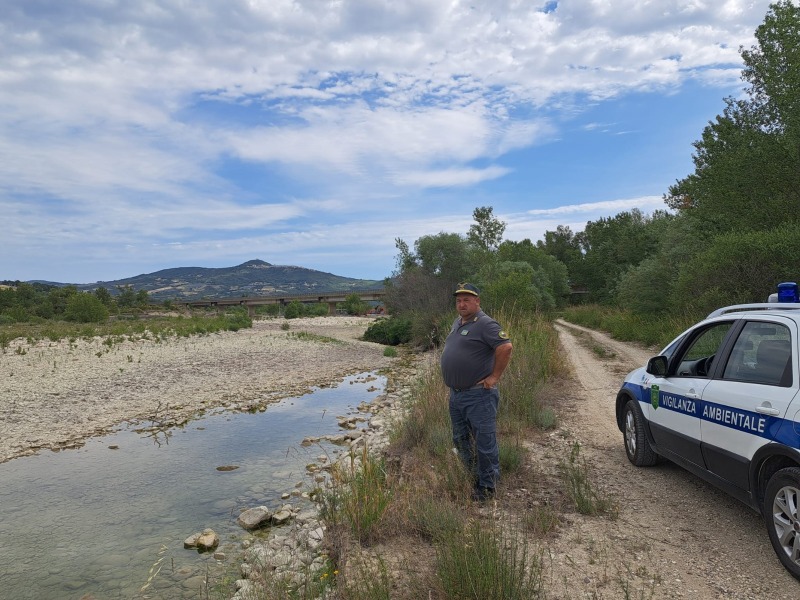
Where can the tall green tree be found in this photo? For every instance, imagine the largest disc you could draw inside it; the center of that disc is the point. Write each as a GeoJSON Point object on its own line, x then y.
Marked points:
{"type": "Point", "coordinates": [104, 296]}
{"type": "Point", "coordinates": [126, 297]}
{"type": "Point", "coordinates": [566, 246]}
{"type": "Point", "coordinates": [615, 244]}
{"type": "Point", "coordinates": [422, 288]}
{"type": "Point", "coordinates": [747, 162]}
{"type": "Point", "coordinates": [549, 275]}
{"type": "Point", "coordinates": [486, 232]}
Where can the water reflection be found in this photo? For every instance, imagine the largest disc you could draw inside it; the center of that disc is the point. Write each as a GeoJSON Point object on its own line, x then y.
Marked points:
{"type": "Point", "coordinates": [91, 522]}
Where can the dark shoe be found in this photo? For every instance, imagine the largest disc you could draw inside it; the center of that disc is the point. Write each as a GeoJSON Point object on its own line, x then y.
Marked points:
{"type": "Point", "coordinates": [482, 494]}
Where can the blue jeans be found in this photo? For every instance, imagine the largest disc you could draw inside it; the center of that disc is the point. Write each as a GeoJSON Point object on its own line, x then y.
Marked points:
{"type": "Point", "coordinates": [473, 414]}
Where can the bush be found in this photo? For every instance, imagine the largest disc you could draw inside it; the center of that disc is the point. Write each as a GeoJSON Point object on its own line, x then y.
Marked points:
{"type": "Point", "coordinates": [292, 310]}
{"type": "Point", "coordinates": [238, 319]}
{"type": "Point", "coordinates": [353, 305]}
{"type": "Point", "coordinates": [490, 564]}
{"type": "Point", "coordinates": [391, 331]}
{"type": "Point", "coordinates": [270, 310]}
{"type": "Point", "coordinates": [85, 308]}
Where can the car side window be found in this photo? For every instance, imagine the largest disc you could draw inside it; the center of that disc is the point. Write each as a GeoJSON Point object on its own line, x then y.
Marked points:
{"type": "Point", "coordinates": [697, 359]}
{"type": "Point", "coordinates": [762, 354]}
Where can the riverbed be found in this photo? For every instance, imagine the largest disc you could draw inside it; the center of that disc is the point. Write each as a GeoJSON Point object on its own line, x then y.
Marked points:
{"type": "Point", "coordinates": [55, 395]}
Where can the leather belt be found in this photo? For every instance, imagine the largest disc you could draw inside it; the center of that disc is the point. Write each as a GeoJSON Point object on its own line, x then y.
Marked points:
{"type": "Point", "coordinates": [474, 387]}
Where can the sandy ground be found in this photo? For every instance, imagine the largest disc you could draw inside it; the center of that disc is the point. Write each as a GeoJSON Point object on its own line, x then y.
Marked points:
{"type": "Point", "coordinates": [54, 395]}
{"type": "Point", "coordinates": [675, 536]}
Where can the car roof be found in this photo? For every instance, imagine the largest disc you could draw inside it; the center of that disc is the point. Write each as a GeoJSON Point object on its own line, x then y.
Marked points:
{"type": "Point", "coordinates": [783, 309]}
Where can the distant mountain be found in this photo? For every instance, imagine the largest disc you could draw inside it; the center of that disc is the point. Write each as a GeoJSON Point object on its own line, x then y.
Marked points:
{"type": "Point", "coordinates": [253, 278]}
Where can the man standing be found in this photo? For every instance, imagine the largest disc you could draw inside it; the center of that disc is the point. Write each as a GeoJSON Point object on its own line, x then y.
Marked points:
{"type": "Point", "coordinates": [476, 353]}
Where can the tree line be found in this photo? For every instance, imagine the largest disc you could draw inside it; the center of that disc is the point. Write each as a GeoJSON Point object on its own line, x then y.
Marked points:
{"type": "Point", "coordinates": [729, 232]}
{"type": "Point", "coordinates": [22, 302]}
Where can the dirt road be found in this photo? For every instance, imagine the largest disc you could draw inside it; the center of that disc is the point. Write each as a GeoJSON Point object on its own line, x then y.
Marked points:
{"type": "Point", "coordinates": [675, 536]}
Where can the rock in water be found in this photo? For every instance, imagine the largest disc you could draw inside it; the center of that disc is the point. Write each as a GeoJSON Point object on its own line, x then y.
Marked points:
{"type": "Point", "coordinates": [253, 518]}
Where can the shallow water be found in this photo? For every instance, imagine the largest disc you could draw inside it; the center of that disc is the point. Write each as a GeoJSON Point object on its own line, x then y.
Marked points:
{"type": "Point", "coordinates": [91, 523]}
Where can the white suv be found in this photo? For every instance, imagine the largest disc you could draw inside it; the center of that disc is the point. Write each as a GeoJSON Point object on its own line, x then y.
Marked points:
{"type": "Point", "coordinates": [721, 400]}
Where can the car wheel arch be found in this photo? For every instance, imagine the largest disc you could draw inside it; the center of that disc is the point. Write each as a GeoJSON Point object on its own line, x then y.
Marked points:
{"type": "Point", "coordinates": [622, 399]}
{"type": "Point", "coordinates": [767, 461]}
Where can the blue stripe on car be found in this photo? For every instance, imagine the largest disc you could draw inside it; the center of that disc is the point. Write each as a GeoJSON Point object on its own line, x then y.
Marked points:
{"type": "Point", "coordinates": [766, 426]}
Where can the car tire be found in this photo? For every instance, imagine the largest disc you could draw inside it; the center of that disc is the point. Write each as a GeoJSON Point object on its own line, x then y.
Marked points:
{"type": "Point", "coordinates": [782, 516]}
{"type": "Point", "coordinates": [637, 446]}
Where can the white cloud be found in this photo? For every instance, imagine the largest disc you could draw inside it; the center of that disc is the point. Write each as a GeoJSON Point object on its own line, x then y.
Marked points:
{"type": "Point", "coordinates": [451, 177]}
{"type": "Point", "coordinates": [117, 116]}
{"type": "Point", "coordinates": [645, 203]}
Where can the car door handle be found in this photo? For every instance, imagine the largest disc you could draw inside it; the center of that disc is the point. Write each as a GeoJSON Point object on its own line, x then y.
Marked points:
{"type": "Point", "coordinates": [692, 394]}
{"type": "Point", "coordinates": [766, 409]}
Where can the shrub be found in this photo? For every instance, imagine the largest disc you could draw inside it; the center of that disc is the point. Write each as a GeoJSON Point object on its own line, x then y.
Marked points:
{"type": "Point", "coordinates": [237, 319]}
{"type": "Point", "coordinates": [293, 310]}
{"type": "Point", "coordinates": [391, 331]}
{"type": "Point", "coordinates": [85, 308]}
{"type": "Point", "coordinates": [353, 305]}
{"type": "Point", "coordinates": [488, 563]}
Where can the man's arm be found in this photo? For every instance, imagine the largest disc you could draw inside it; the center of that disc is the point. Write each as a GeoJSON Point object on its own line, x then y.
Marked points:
{"type": "Point", "coordinates": [502, 356]}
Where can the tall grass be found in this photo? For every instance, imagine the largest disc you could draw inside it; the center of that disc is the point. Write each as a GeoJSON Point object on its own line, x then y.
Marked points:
{"type": "Point", "coordinates": [359, 495]}
{"type": "Point", "coordinates": [652, 330]}
{"type": "Point", "coordinates": [535, 360]}
{"type": "Point", "coordinates": [489, 563]}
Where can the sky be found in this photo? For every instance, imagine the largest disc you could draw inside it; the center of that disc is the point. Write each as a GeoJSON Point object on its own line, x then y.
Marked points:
{"type": "Point", "coordinates": [142, 135]}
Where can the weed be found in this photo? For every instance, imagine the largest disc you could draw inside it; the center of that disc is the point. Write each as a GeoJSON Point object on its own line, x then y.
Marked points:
{"type": "Point", "coordinates": [313, 337]}
{"type": "Point", "coordinates": [646, 588]}
{"type": "Point", "coordinates": [512, 455]}
{"type": "Point", "coordinates": [487, 562]}
{"type": "Point", "coordinates": [390, 351]}
{"type": "Point", "coordinates": [4, 340]}
{"type": "Point", "coordinates": [540, 520]}
{"type": "Point", "coordinates": [368, 579]}
{"type": "Point", "coordinates": [602, 351]}
{"type": "Point", "coordinates": [359, 496]}
{"type": "Point", "coordinates": [433, 518]}
{"type": "Point", "coordinates": [580, 488]}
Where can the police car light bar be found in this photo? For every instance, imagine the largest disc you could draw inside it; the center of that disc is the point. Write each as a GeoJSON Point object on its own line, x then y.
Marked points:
{"type": "Point", "coordinates": [788, 292]}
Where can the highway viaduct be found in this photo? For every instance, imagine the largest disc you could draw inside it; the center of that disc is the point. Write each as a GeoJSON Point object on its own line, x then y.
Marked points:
{"type": "Point", "coordinates": [329, 298]}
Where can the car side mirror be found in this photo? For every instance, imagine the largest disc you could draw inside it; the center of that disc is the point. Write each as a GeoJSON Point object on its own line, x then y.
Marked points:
{"type": "Point", "coordinates": [657, 366]}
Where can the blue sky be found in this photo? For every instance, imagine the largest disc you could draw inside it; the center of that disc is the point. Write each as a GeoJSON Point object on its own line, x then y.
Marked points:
{"type": "Point", "coordinates": [142, 135]}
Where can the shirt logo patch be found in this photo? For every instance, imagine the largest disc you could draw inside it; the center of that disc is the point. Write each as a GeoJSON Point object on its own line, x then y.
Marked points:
{"type": "Point", "coordinates": [502, 335]}
{"type": "Point", "coordinates": [464, 331]}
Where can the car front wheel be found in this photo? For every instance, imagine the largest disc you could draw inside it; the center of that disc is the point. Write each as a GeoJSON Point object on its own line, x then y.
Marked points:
{"type": "Point", "coordinates": [637, 447]}
{"type": "Point", "coordinates": [781, 502]}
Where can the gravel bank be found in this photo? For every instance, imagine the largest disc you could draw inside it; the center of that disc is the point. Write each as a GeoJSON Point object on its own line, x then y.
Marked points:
{"type": "Point", "coordinates": [57, 394]}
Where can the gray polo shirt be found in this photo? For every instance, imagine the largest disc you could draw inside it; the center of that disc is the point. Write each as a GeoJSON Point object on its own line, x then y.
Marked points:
{"type": "Point", "coordinates": [468, 354]}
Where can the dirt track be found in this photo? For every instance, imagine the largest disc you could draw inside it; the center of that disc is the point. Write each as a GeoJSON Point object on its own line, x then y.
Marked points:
{"type": "Point", "coordinates": [676, 536]}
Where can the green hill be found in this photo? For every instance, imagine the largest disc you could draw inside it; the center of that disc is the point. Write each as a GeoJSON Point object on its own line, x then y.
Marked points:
{"type": "Point", "coordinates": [253, 278]}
